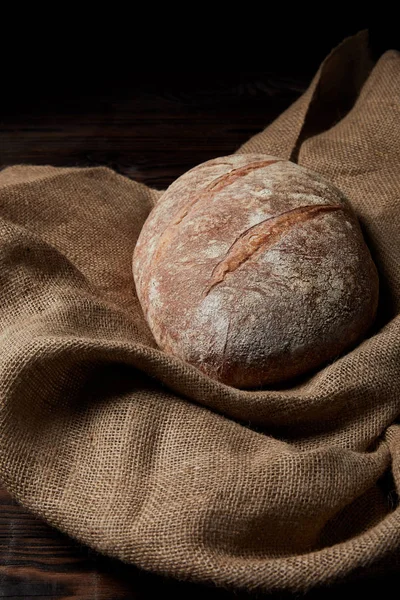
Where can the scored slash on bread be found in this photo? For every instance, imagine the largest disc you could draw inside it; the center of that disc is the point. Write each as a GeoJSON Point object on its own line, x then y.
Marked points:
{"type": "Point", "coordinates": [207, 193]}
{"type": "Point", "coordinates": [218, 184]}
{"type": "Point", "coordinates": [263, 236]}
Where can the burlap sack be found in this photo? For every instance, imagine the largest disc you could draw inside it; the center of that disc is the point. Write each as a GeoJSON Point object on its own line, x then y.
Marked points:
{"type": "Point", "coordinates": [144, 458]}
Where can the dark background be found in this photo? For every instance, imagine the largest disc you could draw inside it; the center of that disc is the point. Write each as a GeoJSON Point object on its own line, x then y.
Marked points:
{"type": "Point", "coordinates": [110, 108]}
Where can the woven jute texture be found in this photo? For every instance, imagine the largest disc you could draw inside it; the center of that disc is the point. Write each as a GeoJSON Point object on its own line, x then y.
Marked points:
{"type": "Point", "coordinates": [143, 457]}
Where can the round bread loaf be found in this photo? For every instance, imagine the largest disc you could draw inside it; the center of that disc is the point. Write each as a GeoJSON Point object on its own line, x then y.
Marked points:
{"type": "Point", "coordinates": [254, 270]}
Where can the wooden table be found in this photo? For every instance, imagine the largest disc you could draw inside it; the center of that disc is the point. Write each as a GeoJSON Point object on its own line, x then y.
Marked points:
{"type": "Point", "coordinates": [152, 131]}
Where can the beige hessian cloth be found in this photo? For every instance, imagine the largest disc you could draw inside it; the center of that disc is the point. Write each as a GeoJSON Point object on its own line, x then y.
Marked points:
{"type": "Point", "coordinates": [146, 459]}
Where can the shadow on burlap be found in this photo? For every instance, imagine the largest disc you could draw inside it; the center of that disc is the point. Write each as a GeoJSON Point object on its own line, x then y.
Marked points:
{"type": "Point", "coordinates": [146, 459]}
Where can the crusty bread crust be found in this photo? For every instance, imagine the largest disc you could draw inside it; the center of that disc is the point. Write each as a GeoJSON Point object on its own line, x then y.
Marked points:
{"type": "Point", "coordinates": [255, 270]}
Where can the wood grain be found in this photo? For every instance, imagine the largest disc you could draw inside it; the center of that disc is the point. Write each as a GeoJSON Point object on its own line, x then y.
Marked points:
{"type": "Point", "coordinates": [153, 134]}
{"type": "Point", "coordinates": [148, 133]}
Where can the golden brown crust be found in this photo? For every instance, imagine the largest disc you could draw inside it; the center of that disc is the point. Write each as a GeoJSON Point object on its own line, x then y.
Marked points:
{"type": "Point", "coordinates": [254, 270]}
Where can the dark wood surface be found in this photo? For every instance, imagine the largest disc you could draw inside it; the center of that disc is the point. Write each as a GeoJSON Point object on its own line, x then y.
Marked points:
{"type": "Point", "coordinates": [152, 131]}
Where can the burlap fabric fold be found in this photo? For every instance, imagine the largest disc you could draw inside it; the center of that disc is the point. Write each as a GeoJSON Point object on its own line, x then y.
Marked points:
{"type": "Point", "coordinates": [146, 459]}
